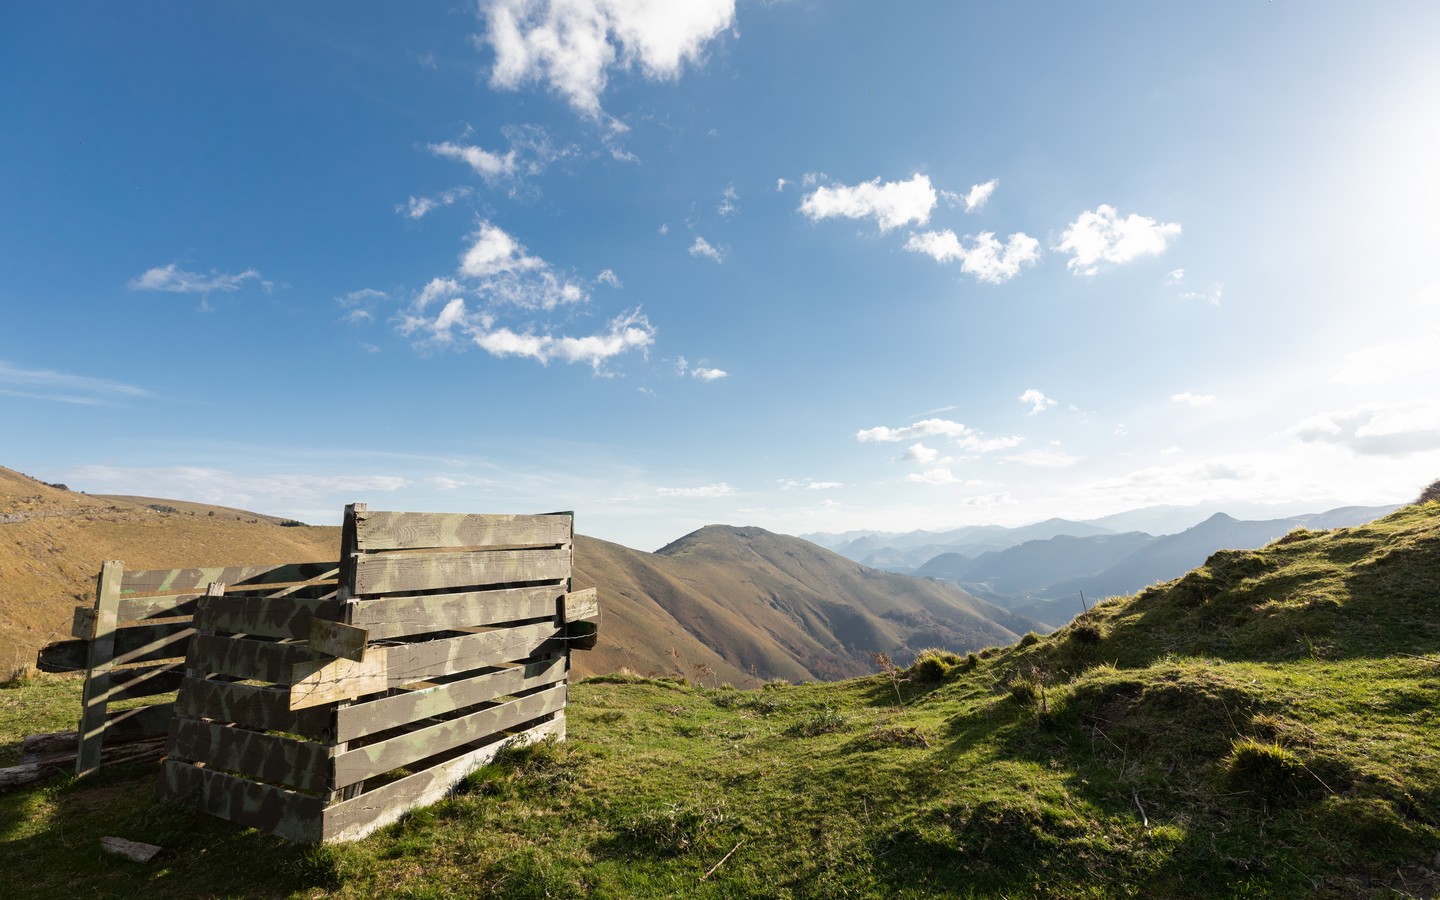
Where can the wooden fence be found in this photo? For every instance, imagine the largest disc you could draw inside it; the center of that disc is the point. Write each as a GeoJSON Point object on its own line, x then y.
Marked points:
{"type": "Point", "coordinates": [132, 641]}
{"type": "Point", "coordinates": [322, 719]}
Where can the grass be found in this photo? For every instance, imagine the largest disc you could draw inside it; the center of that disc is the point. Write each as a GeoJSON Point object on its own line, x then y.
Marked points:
{"type": "Point", "coordinates": [1264, 726]}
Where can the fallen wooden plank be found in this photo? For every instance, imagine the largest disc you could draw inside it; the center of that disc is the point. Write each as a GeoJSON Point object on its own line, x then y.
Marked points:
{"type": "Point", "coordinates": [277, 810]}
{"type": "Point", "coordinates": [354, 819]}
{"type": "Point", "coordinates": [362, 719]}
{"type": "Point", "coordinates": [131, 850]}
{"type": "Point", "coordinates": [261, 757]}
{"type": "Point", "coordinates": [384, 756]}
{"type": "Point", "coordinates": [406, 531]}
{"type": "Point", "coordinates": [391, 617]}
{"type": "Point", "coordinates": [390, 573]}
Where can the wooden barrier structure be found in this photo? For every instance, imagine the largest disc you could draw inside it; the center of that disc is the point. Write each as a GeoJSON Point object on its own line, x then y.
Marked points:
{"type": "Point", "coordinates": [132, 642]}
{"type": "Point", "coordinates": [447, 639]}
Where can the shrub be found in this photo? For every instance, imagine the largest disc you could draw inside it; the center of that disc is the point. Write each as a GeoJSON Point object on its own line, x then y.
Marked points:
{"type": "Point", "coordinates": [1431, 494]}
{"type": "Point", "coordinates": [1086, 633]}
{"type": "Point", "coordinates": [1025, 690]}
{"type": "Point", "coordinates": [1030, 639]}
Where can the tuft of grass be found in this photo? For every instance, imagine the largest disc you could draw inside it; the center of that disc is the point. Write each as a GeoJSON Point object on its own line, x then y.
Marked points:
{"type": "Point", "coordinates": [1085, 632]}
{"type": "Point", "coordinates": [932, 664]}
{"type": "Point", "coordinates": [826, 721]}
{"type": "Point", "coordinates": [676, 828]}
{"type": "Point", "coordinates": [1030, 639]}
{"type": "Point", "coordinates": [1266, 771]}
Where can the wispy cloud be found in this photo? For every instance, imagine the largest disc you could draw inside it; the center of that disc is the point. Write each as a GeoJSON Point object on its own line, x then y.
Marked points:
{"type": "Point", "coordinates": [270, 490]}
{"type": "Point", "coordinates": [572, 47]}
{"type": "Point", "coordinates": [980, 194]}
{"type": "Point", "coordinates": [1101, 236]}
{"type": "Point", "coordinates": [63, 387]}
{"type": "Point", "coordinates": [176, 280]}
{"type": "Point", "coordinates": [957, 433]}
{"type": "Point", "coordinates": [808, 484]}
{"type": "Point", "coordinates": [720, 489]}
{"type": "Point", "coordinates": [729, 203]}
{"type": "Point", "coordinates": [891, 204]}
{"type": "Point", "coordinates": [420, 207]}
{"type": "Point", "coordinates": [1037, 401]}
{"type": "Point", "coordinates": [1193, 400]}
{"type": "Point", "coordinates": [1045, 458]}
{"type": "Point", "coordinates": [703, 373]}
{"type": "Point", "coordinates": [1391, 430]}
{"type": "Point", "coordinates": [702, 247]}
{"type": "Point", "coordinates": [986, 258]}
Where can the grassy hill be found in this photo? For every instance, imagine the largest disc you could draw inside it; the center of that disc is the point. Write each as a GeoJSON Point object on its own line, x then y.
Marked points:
{"type": "Point", "coordinates": [1264, 726]}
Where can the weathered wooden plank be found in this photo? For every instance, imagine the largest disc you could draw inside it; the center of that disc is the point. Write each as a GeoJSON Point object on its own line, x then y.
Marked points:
{"type": "Point", "coordinates": [368, 718]}
{"type": "Point", "coordinates": [411, 531]}
{"type": "Point", "coordinates": [390, 573]}
{"type": "Point", "coordinates": [131, 850]}
{"type": "Point", "coordinates": [100, 658]}
{"type": "Point", "coordinates": [253, 706]}
{"type": "Point", "coordinates": [450, 656]}
{"type": "Point", "coordinates": [384, 756]}
{"type": "Point", "coordinates": [582, 605]}
{"type": "Point", "coordinates": [263, 757]}
{"type": "Point", "coordinates": [354, 819]}
{"type": "Point", "coordinates": [145, 681]}
{"type": "Point", "coordinates": [280, 617]}
{"type": "Point", "coordinates": [82, 625]}
{"type": "Point", "coordinates": [390, 617]}
{"type": "Point", "coordinates": [62, 656]}
{"type": "Point", "coordinates": [169, 606]}
{"type": "Point", "coordinates": [338, 639]}
{"type": "Point", "coordinates": [246, 659]}
{"type": "Point", "coordinates": [143, 643]}
{"type": "Point", "coordinates": [238, 578]}
{"type": "Point", "coordinates": [286, 813]}
{"type": "Point", "coordinates": [140, 722]}
{"type": "Point", "coordinates": [329, 680]}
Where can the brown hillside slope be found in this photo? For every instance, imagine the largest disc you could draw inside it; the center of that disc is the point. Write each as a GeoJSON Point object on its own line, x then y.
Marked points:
{"type": "Point", "coordinates": [53, 541]}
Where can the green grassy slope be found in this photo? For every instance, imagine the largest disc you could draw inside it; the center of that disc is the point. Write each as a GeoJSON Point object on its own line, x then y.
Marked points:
{"type": "Point", "coordinates": [1264, 726]}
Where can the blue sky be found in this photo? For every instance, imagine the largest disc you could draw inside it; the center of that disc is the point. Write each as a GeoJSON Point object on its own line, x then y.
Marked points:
{"type": "Point", "coordinates": [813, 266]}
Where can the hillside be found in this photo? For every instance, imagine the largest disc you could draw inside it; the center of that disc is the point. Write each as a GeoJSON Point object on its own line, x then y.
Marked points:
{"type": "Point", "coordinates": [726, 605]}
{"type": "Point", "coordinates": [1262, 727]}
{"type": "Point", "coordinates": [52, 542]}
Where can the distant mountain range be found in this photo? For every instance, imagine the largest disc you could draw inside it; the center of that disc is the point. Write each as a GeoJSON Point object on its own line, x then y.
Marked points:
{"type": "Point", "coordinates": [1050, 570]}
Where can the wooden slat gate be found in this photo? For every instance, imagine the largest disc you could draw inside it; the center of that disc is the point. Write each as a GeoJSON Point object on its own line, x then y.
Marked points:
{"type": "Point", "coordinates": [132, 641]}
{"type": "Point", "coordinates": [449, 639]}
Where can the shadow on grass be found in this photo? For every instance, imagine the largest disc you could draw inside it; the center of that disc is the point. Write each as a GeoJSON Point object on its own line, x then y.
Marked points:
{"type": "Point", "coordinates": [53, 848]}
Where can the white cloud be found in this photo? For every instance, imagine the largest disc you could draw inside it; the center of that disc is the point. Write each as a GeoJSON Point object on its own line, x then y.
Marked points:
{"type": "Point", "coordinates": [176, 280]}
{"type": "Point", "coordinates": [1100, 236]}
{"type": "Point", "coordinates": [1037, 401]}
{"type": "Point", "coordinates": [626, 333]}
{"type": "Point", "coordinates": [986, 258]}
{"type": "Point", "coordinates": [1192, 400]}
{"type": "Point", "coordinates": [358, 316]}
{"type": "Point", "coordinates": [62, 387]}
{"type": "Point", "coordinates": [891, 203]}
{"type": "Point", "coordinates": [419, 207]}
{"type": "Point", "coordinates": [720, 489]}
{"type": "Point", "coordinates": [780, 184]}
{"type": "Point", "coordinates": [729, 203]}
{"type": "Point", "coordinates": [489, 165]}
{"type": "Point", "coordinates": [494, 252]}
{"type": "Point", "coordinates": [271, 490]}
{"type": "Point", "coordinates": [979, 194]}
{"type": "Point", "coordinates": [1394, 430]}
{"type": "Point", "coordinates": [962, 436]}
{"type": "Point", "coordinates": [708, 374]}
{"type": "Point", "coordinates": [571, 46]}
{"type": "Point", "coordinates": [360, 305]}
{"type": "Point", "coordinates": [437, 288]}
{"type": "Point", "coordinates": [702, 247]}
{"type": "Point", "coordinates": [933, 476]}
{"type": "Point", "coordinates": [609, 277]}
{"type": "Point", "coordinates": [1176, 276]}
{"type": "Point", "coordinates": [791, 484]}
{"type": "Point", "coordinates": [921, 454]}
{"type": "Point", "coordinates": [1212, 296]}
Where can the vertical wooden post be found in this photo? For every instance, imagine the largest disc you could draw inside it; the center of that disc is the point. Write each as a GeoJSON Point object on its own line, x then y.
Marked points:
{"type": "Point", "coordinates": [100, 659]}
{"type": "Point", "coordinates": [345, 593]}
